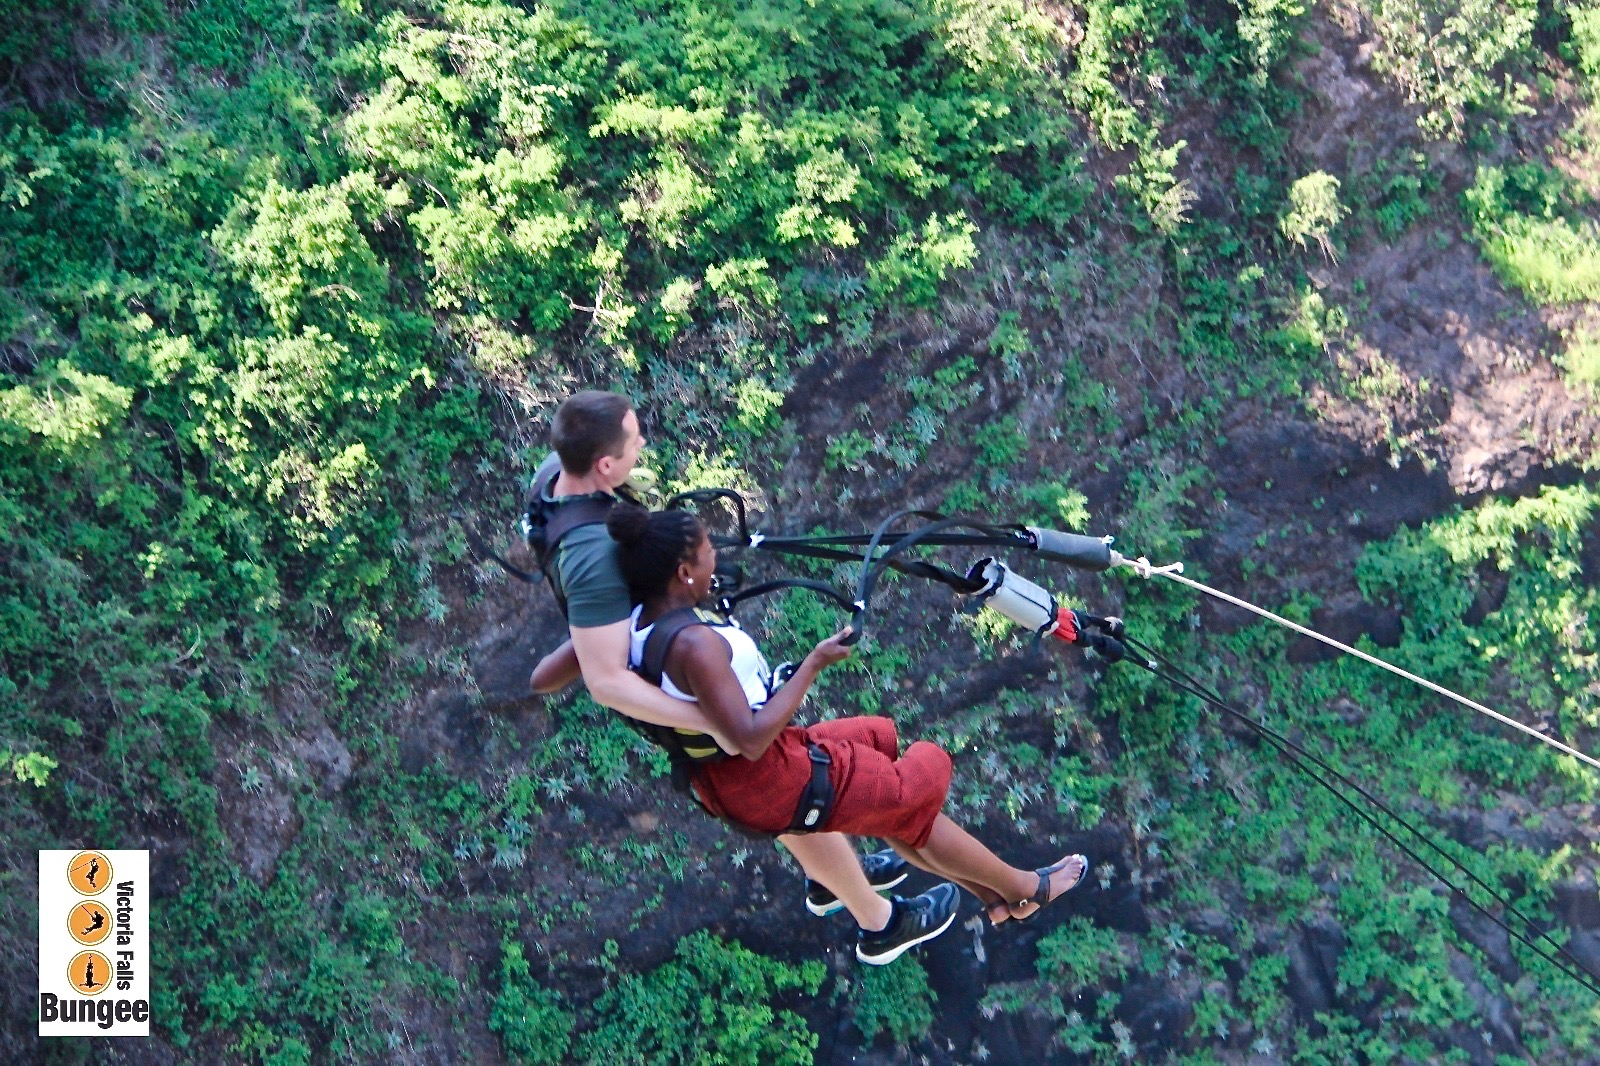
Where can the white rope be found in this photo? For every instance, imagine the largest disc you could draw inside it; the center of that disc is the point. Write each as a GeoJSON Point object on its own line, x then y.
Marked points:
{"type": "Point", "coordinates": [1174, 572]}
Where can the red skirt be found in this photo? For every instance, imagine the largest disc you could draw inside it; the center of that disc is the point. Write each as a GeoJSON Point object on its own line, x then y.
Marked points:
{"type": "Point", "coordinates": [876, 791]}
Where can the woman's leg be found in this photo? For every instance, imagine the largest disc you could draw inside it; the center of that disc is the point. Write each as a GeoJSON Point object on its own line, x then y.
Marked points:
{"type": "Point", "coordinates": [992, 903]}
{"type": "Point", "coordinates": [893, 798]}
{"type": "Point", "coordinates": [828, 859]}
{"type": "Point", "coordinates": [955, 853]}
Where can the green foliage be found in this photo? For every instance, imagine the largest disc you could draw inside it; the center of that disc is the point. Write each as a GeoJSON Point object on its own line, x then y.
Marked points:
{"type": "Point", "coordinates": [1395, 192]}
{"type": "Point", "coordinates": [62, 410]}
{"type": "Point", "coordinates": [1580, 361]}
{"type": "Point", "coordinates": [1154, 184]}
{"type": "Point", "coordinates": [916, 263]}
{"type": "Point", "coordinates": [565, 171]}
{"type": "Point", "coordinates": [1268, 28]}
{"type": "Point", "coordinates": [1519, 217]}
{"type": "Point", "coordinates": [533, 1026]}
{"type": "Point", "coordinates": [1313, 211]}
{"type": "Point", "coordinates": [1080, 793]}
{"type": "Point", "coordinates": [896, 1000]}
{"type": "Point", "coordinates": [1307, 333]}
{"type": "Point", "coordinates": [1585, 41]}
{"type": "Point", "coordinates": [713, 1002]}
{"type": "Point", "coordinates": [31, 767]}
{"type": "Point", "coordinates": [1456, 57]}
{"type": "Point", "coordinates": [1080, 955]}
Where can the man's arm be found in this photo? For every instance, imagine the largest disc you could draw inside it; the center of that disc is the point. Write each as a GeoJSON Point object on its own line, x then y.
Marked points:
{"type": "Point", "coordinates": [603, 658]}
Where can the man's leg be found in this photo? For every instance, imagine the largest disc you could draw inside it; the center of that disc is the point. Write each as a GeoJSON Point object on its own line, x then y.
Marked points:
{"type": "Point", "coordinates": [828, 859]}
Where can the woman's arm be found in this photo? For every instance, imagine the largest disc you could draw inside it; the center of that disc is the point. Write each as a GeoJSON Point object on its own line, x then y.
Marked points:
{"type": "Point", "coordinates": [555, 671]}
{"type": "Point", "coordinates": [705, 662]}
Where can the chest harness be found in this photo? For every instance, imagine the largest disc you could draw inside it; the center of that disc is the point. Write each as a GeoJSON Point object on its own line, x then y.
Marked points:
{"type": "Point", "coordinates": [546, 523]}
{"type": "Point", "coordinates": [816, 801]}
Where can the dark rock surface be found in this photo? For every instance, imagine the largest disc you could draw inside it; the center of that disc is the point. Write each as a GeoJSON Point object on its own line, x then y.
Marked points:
{"type": "Point", "coordinates": [1313, 977]}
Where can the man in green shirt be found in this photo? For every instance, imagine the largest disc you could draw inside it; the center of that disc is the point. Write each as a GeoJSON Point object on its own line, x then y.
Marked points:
{"type": "Point", "coordinates": [597, 442]}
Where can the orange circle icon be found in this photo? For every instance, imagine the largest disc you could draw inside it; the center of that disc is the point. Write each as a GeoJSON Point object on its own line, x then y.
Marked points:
{"type": "Point", "coordinates": [89, 972]}
{"type": "Point", "coordinates": [89, 923]}
{"type": "Point", "coordinates": [89, 873]}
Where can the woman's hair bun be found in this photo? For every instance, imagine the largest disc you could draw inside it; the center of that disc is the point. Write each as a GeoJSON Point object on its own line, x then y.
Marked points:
{"type": "Point", "coordinates": [628, 522]}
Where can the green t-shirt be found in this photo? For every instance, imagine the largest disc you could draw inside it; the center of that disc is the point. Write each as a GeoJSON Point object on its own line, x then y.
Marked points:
{"type": "Point", "coordinates": [586, 571]}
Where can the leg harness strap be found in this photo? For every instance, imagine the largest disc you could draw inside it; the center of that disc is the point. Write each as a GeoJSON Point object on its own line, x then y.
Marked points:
{"type": "Point", "coordinates": [817, 802]}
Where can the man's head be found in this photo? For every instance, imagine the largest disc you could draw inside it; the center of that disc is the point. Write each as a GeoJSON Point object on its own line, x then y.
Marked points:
{"type": "Point", "coordinates": [597, 433]}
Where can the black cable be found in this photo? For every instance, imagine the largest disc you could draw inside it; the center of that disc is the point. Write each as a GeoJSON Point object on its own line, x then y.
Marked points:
{"type": "Point", "coordinates": [873, 565]}
{"type": "Point", "coordinates": [1294, 754]}
{"type": "Point", "coordinates": [874, 561]}
{"type": "Point", "coordinates": [480, 547]}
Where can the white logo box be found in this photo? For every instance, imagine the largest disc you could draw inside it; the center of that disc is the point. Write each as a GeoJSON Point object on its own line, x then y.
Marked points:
{"type": "Point", "coordinates": [119, 1004]}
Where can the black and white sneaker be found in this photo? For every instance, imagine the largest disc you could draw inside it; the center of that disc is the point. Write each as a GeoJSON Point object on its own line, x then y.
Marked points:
{"type": "Point", "coordinates": [914, 921]}
{"type": "Point", "coordinates": [884, 870]}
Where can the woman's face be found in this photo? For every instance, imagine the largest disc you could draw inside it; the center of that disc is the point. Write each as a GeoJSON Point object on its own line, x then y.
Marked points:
{"type": "Point", "coordinates": [701, 564]}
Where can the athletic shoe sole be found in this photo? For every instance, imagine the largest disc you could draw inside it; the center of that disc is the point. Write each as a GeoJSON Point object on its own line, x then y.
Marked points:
{"type": "Point", "coordinates": [838, 905]}
{"type": "Point", "coordinates": [900, 949]}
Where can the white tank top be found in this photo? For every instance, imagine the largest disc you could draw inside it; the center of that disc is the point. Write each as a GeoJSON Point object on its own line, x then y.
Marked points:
{"type": "Point", "coordinates": [749, 665]}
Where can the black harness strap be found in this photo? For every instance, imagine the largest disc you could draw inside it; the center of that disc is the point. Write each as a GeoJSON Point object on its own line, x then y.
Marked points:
{"type": "Point", "coordinates": [480, 547]}
{"type": "Point", "coordinates": [686, 748]}
{"type": "Point", "coordinates": [545, 524]}
{"type": "Point", "coordinates": [816, 803]}
{"type": "Point", "coordinates": [653, 663]}
{"type": "Point", "coordinates": [727, 603]}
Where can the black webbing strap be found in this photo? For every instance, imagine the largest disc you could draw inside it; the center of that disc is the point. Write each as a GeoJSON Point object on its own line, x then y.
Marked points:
{"type": "Point", "coordinates": [913, 567]}
{"type": "Point", "coordinates": [568, 516]}
{"type": "Point", "coordinates": [873, 564]}
{"type": "Point", "coordinates": [938, 532]}
{"type": "Point", "coordinates": [653, 662]}
{"type": "Point", "coordinates": [766, 588]}
{"type": "Point", "coordinates": [480, 548]}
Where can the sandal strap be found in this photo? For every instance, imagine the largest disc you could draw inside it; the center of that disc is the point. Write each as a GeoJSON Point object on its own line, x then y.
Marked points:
{"type": "Point", "coordinates": [1044, 882]}
{"type": "Point", "coordinates": [1041, 895]}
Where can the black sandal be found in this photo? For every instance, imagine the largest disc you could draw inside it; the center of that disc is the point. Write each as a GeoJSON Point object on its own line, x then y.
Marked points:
{"type": "Point", "coordinates": [1042, 895]}
{"type": "Point", "coordinates": [1000, 906]}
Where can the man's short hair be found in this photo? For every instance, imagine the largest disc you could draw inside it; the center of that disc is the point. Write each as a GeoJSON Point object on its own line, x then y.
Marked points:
{"type": "Point", "coordinates": [588, 425]}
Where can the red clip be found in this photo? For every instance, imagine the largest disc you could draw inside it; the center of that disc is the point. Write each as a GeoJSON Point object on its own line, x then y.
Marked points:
{"type": "Point", "coordinates": [1066, 628]}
